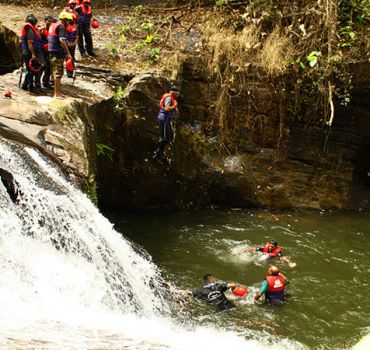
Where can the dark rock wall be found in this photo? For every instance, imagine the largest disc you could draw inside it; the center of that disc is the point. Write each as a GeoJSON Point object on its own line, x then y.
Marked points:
{"type": "Point", "coordinates": [270, 160]}
{"type": "Point", "coordinates": [10, 57]}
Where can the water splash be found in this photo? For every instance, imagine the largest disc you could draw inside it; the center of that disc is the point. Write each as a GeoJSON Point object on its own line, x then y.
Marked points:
{"type": "Point", "coordinates": [69, 280]}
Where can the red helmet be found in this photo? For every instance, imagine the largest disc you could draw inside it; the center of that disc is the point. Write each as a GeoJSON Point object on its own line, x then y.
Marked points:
{"type": "Point", "coordinates": [34, 65]}
{"type": "Point", "coordinates": [240, 291]}
{"type": "Point", "coordinates": [95, 24]}
{"type": "Point", "coordinates": [70, 65]}
{"type": "Point", "coordinates": [88, 1]}
{"type": "Point", "coordinates": [8, 94]}
{"type": "Point", "coordinates": [72, 2]}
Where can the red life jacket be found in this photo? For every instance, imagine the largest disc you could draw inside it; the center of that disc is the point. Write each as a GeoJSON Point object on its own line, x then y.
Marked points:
{"type": "Point", "coordinates": [71, 33]}
{"type": "Point", "coordinates": [72, 12]}
{"type": "Point", "coordinates": [53, 38]}
{"type": "Point", "coordinates": [173, 101]}
{"type": "Point", "coordinates": [275, 283]}
{"type": "Point", "coordinates": [24, 41]}
{"type": "Point", "coordinates": [273, 253]}
{"type": "Point", "coordinates": [85, 15]}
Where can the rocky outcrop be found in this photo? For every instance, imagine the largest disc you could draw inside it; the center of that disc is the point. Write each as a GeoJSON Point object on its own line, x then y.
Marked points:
{"type": "Point", "coordinates": [311, 167]}
{"type": "Point", "coordinates": [61, 129]}
{"type": "Point", "coordinates": [10, 57]}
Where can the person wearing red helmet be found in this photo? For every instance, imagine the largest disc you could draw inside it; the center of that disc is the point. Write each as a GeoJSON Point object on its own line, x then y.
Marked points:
{"type": "Point", "coordinates": [273, 287]}
{"type": "Point", "coordinates": [71, 8]}
{"type": "Point", "coordinates": [85, 16]}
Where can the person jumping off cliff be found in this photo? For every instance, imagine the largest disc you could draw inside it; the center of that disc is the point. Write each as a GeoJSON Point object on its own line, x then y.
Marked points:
{"type": "Point", "coordinates": [167, 108]}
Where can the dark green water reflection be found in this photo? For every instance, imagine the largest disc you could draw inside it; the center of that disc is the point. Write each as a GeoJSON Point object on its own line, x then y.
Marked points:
{"type": "Point", "coordinates": [329, 303]}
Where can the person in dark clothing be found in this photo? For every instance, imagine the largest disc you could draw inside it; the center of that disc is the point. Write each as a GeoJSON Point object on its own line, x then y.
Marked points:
{"type": "Point", "coordinates": [85, 16]}
{"type": "Point", "coordinates": [44, 32]}
{"type": "Point", "coordinates": [212, 293]}
{"type": "Point", "coordinates": [273, 287]}
{"type": "Point", "coordinates": [31, 47]}
{"type": "Point", "coordinates": [10, 185]}
{"type": "Point", "coordinates": [167, 108]}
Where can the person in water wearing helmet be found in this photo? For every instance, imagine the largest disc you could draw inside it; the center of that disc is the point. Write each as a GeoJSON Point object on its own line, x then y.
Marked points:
{"type": "Point", "coordinates": [167, 108]}
{"type": "Point", "coordinates": [273, 287]}
{"type": "Point", "coordinates": [212, 293]}
{"type": "Point", "coordinates": [272, 250]}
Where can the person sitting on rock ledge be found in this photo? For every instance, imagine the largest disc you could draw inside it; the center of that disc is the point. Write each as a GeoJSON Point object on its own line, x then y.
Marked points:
{"type": "Point", "coordinates": [57, 47]}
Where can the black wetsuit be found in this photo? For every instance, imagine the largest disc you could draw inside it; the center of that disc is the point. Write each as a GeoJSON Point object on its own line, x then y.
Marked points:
{"type": "Point", "coordinates": [214, 295]}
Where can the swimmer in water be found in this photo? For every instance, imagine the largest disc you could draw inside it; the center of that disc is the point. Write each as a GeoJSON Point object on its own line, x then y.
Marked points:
{"type": "Point", "coordinates": [273, 287]}
{"type": "Point", "coordinates": [212, 293]}
{"type": "Point", "coordinates": [271, 250]}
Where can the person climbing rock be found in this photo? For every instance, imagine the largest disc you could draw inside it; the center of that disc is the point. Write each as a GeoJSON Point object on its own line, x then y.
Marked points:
{"type": "Point", "coordinates": [273, 287]}
{"type": "Point", "coordinates": [85, 16]}
{"type": "Point", "coordinates": [31, 52]}
{"type": "Point", "coordinates": [212, 293]}
{"type": "Point", "coordinates": [167, 107]}
{"type": "Point", "coordinates": [10, 185]}
{"type": "Point", "coordinates": [58, 48]}
{"type": "Point", "coordinates": [271, 250]}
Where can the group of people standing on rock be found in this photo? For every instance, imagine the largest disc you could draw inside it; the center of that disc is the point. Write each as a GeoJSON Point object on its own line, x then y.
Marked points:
{"type": "Point", "coordinates": [48, 46]}
{"type": "Point", "coordinates": [273, 286]}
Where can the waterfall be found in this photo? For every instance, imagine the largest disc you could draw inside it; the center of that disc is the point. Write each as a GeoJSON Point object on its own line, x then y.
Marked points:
{"type": "Point", "coordinates": [70, 281]}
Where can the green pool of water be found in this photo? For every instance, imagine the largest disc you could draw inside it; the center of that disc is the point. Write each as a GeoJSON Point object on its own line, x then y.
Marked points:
{"type": "Point", "coordinates": [329, 301]}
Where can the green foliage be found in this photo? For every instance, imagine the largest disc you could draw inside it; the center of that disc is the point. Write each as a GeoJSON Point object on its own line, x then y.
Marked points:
{"type": "Point", "coordinates": [138, 9]}
{"type": "Point", "coordinates": [90, 189]}
{"type": "Point", "coordinates": [118, 98]}
{"type": "Point", "coordinates": [347, 35]}
{"type": "Point", "coordinates": [150, 39]}
{"type": "Point", "coordinates": [123, 28]}
{"type": "Point", "coordinates": [220, 3]}
{"type": "Point", "coordinates": [313, 57]}
{"type": "Point", "coordinates": [147, 27]}
{"type": "Point", "coordinates": [112, 48]}
{"type": "Point", "coordinates": [155, 54]}
{"type": "Point", "coordinates": [104, 150]}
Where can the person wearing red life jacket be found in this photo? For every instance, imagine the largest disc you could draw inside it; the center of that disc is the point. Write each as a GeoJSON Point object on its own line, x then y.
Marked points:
{"type": "Point", "coordinates": [44, 32]}
{"type": "Point", "coordinates": [31, 52]}
{"type": "Point", "coordinates": [273, 287]}
{"type": "Point", "coordinates": [71, 8]}
{"type": "Point", "coordinates": [72, 35]}
{"type": "Point", "coordinates": [270, 250]}
{"type": "Point", "coordinates": [85, 16]}
{"type": "Point", "coordinates": [167, 107]}
{"type": "Point", "coordinates": [58, 49]}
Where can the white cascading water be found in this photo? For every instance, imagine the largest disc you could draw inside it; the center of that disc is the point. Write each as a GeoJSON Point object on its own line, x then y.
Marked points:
{"type": "Point", "coordinates": [68, 280]}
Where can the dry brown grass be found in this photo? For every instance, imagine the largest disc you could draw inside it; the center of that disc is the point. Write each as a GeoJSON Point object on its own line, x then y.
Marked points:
{"type": "Point", "coordinates": [276, 50]}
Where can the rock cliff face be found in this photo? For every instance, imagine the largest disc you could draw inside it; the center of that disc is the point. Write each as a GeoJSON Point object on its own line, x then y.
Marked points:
{"type": "Point", "coordinates": [268, 158]}
{"type": "Point", "coordinates": [10, 57]}
{"type": "Point", "coordinates": [311, 167]}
